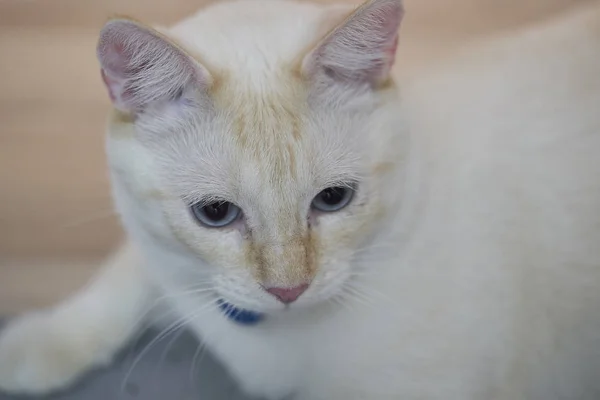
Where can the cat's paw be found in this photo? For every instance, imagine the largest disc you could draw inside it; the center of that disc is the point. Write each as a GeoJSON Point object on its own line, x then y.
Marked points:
{"type": "Point", "coordinates": [38, 355]}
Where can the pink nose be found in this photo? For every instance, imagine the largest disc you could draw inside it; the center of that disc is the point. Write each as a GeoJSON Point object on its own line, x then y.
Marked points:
{"type": "Point", "coordinates": [288, 295]}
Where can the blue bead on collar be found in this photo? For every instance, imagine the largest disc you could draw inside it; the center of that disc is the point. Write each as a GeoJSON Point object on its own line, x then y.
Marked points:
{"type": "Point", "coordinates": [239, 315]}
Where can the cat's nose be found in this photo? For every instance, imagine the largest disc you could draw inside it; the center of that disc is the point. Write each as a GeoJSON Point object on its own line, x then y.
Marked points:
{"type": "Point", "coordinates": [288, 295]}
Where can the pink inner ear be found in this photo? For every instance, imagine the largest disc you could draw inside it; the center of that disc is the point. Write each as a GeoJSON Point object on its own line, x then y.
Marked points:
{"type": "Point", "coordinates": [114, 56]}
{"type": "Point", "coordinates": [111, 85]}
{"type": "Point", "coordinates": [391, 53]}
{"type": "Point", "coordinates": [139, 67]}
{"type": "Point", "coordinates": [114, 71]}
{"type": "Point", "coordinates": [363, 49]}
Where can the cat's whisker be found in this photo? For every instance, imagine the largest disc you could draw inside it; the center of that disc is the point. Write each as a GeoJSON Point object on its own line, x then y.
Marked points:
{"type": "Point", "coordinates": [184, 293]}
{"type": "Point", "coordinates": [343, 298]}
{"type": "Point", "coordinates": [360, 285]}
{"type": "Point", "coordinates": [171, 328]}
{"type": "Point", "coordinates": [365, 294]}
{"type": "Point", "coordinates": [358, 292]}
{"type": "Point", "coordinates": [377, 295]}
{"type": "Point", "coordinates": [197, 287]}
{"type": "Point", "coordinates": [168, 347]}
{"type": "Point", "coordinates": [143, 328]}
{"type": "Point", "coordinates": [197, 359]}
{"type": "Point", "coordinates": [179, 323]}
{"type": "Point", "coordinates": [337, 300]}
{"type": "Point", "coordinates": [358, 297]}
{"type": "Point", "coordinates": [201, 350]}
{"type": "Point", "coordinates": [373, 256]}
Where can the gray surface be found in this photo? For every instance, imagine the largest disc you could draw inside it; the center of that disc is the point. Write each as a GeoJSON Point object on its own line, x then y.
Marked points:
{"type": "Point", "coordinates": [170, 369]}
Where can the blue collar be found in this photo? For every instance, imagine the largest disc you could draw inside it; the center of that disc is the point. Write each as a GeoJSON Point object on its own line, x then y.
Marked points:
{"type": "Point", "coordinates": [239, 315]}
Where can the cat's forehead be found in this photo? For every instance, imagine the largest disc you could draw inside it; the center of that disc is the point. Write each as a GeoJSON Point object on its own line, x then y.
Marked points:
{"type": "Point", "coordinates": [266, 123]}
{"type": "Point", "coordinates": [251, 36]}
{"type": "Point", "coordinates": [291, 138]}
{"type": "Point", "coordinates": [261, 142]}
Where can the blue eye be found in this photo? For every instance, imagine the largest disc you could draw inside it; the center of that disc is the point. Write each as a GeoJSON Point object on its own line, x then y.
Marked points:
{"type": "Point", "coordinates": [217, 214]}
{"type": "Point", "coordinates": [333, 199]}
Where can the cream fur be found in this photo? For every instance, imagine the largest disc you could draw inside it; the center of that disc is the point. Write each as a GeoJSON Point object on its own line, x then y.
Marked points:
{"type": "Point", "coordinates": [468, 266]}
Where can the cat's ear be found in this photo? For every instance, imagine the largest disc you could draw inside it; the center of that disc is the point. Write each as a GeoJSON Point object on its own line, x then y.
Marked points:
{"type": "Point", "coordinates": [362, 48]}
{"type": "Point", "coordinates": [141, 67]}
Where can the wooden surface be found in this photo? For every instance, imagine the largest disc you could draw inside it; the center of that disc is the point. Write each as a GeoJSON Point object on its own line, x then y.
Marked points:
{"type": "Point", "coordinates": [54, 198]}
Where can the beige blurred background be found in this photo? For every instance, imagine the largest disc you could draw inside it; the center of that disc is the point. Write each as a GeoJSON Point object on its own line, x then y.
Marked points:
{"type": "Point", "coordinates": [55, 210]}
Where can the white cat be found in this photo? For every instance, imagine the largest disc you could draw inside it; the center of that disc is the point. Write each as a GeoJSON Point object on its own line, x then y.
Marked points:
{"type": "Point", "coordinates": [331, 233]}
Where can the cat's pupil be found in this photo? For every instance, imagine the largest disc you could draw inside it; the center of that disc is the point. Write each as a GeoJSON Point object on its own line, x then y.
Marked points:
{"type": "Point", "coordinates": [216, 211]}
{"type": "Point", "coordinates": [333, 196]}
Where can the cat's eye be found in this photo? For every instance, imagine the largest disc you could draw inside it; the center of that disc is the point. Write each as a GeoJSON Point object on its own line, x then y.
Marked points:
{"type": "Point", "coordinates": [217, 214]}
{"type": "Point", "coordinates": [333, 199]}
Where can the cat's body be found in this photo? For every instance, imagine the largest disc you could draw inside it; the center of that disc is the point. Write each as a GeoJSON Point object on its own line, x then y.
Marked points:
{"type": "Point", "coordinates": [470, 258]}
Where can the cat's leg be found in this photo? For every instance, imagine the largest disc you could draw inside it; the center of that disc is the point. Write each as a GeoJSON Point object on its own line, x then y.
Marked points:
{"type": "Point", "coordinates": [48, 350]}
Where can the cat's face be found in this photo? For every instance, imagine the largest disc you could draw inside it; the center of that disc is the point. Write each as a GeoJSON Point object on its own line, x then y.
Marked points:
{"type": "Point", "coordinates": [270, 185]}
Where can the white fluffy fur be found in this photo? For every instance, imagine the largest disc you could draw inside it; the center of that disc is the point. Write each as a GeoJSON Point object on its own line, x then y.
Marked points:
{"type": "Point", "coordinates": [478, 279]}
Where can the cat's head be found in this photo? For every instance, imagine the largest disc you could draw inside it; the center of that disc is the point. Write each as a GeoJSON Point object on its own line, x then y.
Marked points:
{"type": "Point", "coordinates": [252, 142]}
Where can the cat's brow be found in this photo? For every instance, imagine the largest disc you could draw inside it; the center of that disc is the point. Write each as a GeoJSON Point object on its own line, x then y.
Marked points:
{"type": "Point", "coordinates": [266, 124]}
